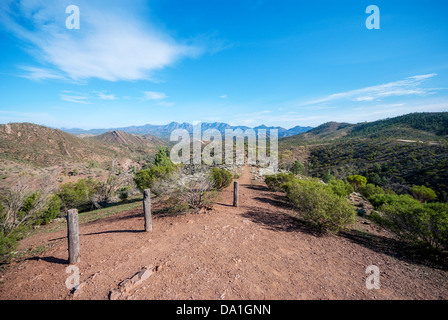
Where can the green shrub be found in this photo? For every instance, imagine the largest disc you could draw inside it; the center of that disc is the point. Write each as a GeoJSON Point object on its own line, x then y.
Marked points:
{"type": "Point", "coordinates": [8, 238]}
{"type": "Point", "coordinates": [27, 206]}
{"type": "Point", "coordinates": [275, 181]}
{"type": "Point", "coordinates": [327, 177]}
{"type": "Point", "coordinates": [144, 179]}
{"type": "Point", "coordinates": [51, 212]}
{"type": "Point", "coordinates": [369, 190]}
{"type": "Point", "coordinates": [340, 187]}
{"type": "Point", "coordinates": [438, 224]}
{"type": "Point", "coordinates": [297, 168]}
{"type": "Point", "coordinates": [221, 178]}
{"type": "Point", "coordinates": [162, 158]}
{"type": "Point", "coordinates": [318, 204]}
{"type": "Point", "coordinates": [377, 200]}
{"type": "Point", "coordinates": [419, 223]}
{"type": "Point", "coordinates": [79, 195]}
{"type": "Point", "coordinates": [357, 181]}
{"type": "Point", "coordinates": [8, 243]}
{"type": "Point", "coordinates": [423, 194]}
{"type": "Point", "coordinates": [123, 193]}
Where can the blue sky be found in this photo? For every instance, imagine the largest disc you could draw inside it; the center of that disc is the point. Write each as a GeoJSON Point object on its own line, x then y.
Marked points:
{"type": "Point", "coordinates": [244, 62]}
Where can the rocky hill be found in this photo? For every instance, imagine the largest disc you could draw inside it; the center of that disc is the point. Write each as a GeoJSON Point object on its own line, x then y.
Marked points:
{"type": "Point", "coordinates": [42, 146]}
{"type": "Point", "coordinates": [120, 138]}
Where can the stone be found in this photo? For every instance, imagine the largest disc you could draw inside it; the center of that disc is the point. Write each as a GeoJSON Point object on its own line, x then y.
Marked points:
{"type": "Point", "coordinates": [126, 285]}
{"type": "Point", "coordinates": [145, 274]}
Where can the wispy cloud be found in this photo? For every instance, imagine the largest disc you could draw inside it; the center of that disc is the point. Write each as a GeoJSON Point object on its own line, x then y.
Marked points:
{"type": "Point", "coordinates": [114, 42]}
{"type": "Point", "coordinates": [166, 104]}
{"type": "Point", "coordinates": [407, 87]}
{"type": "Point", "coordinates": [151, 95]}
{"type": "Point", "coordinates": [38, 74]}
{"type": "Point", "coordinates": [75, 98]}
{"type": "Point", "coordinates": [104, 96]}
{"type": "Point", "coordinates": [224, 96]}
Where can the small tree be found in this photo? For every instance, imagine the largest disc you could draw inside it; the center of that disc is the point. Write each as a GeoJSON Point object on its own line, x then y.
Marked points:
{"type": "Point", "coordinates": [117, 179]}
{"type": "Point", "coordinates": [162, 169]}
{"type": "Point", "coordinates": [193, 195]}
{"type": "Point", "coordinates": [340, 187]}
{"type": "Point", "coordinates": [425, 223]}
{"type": "Point", "coordinates": [144, 179]}
{"type": "Point", "coordinates": [370, 189]}
{"type": "Point", "coordinates": [221, 178]}
{"type": "Point", "coordinates": [23, 205]}
{"type": "Point", "coordinates": [79, 195]}
{"type": "Point", "coordinates": [162, 157]}
{"type": "Point", "coordinates": [423, 194]}
{"type": "Point", "coordinates": [297, 168]}
{"type": "Point", "coordinates": [275, 181]}
{"type": "Point", "coordinates": [319, 205]}
{"type": "Point", "coordinates": [356, 181]}
{"type": "Point", "coordinates": [327, 177]}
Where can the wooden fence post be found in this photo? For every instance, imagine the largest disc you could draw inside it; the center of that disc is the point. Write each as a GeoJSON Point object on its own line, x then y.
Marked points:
{"type": "Point", "coordinates": [235, 194]}
{"type": "Point", "coordinates": [73, 236]}
{"type": "Point", "coordinates": [147, 209]}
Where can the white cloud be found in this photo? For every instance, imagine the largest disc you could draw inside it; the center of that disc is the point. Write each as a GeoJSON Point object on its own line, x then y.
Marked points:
{"type": "Point", "coordinates": [406, 87]}
{"type": "Point", "coordinates": [38, 74]}
{"type": "Point", "coordinates": [166, 104]}
{"type": "Point", "coordinates": [366, 98]}
{"type": "Point", "coordinates": [105, 96]}
{"type": "Point", "coordinates": [224, 96]}
{"type": "Point", "coordinates": [114, 41]}
{"type": "Point", "coordinates": [75, 98]}
{"type": "Point", "coordinates": [151, 95]}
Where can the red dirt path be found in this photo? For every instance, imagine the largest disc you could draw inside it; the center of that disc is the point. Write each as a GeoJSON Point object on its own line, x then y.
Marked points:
{"type": "Point", "coordinates": [255, 251]}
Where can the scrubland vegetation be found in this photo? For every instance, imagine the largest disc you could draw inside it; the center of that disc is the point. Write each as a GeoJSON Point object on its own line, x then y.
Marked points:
{"type": "Point", "coordinates": [404, 181]}
{"type": "Point", "coordinates": [413, 217]}
{"type": "Point", "coordinates": [23, 208]}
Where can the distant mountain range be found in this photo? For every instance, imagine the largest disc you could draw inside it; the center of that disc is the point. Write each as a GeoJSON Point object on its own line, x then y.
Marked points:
{"type": "Point", "coordinates": [164, 131]}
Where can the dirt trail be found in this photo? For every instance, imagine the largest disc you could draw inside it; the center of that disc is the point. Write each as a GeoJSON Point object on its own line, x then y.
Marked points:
{"type": "Point", "coordinates": [255, 251]}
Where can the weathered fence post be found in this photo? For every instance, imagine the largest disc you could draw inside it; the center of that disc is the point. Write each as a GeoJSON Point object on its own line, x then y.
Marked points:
{"type": "Point", "coordinates": [235, 194]}
{"type": "Point", "coordinates": [73, 236]}
{"type": "Point", "coordinates": [147, 209]}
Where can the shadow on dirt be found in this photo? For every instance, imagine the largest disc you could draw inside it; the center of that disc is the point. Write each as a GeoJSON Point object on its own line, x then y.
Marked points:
{"type": "Point", "coordinates": [256, 187]}
{"type": "Point", "coordinates": [398, 249]}
{"type": "Point", "coordinates": [286, 222]}
{"type": "Point", "coordinates": [278, 221]}
{"type": "Point", "coordinates": [50, 260]}
{"type": "Point", "coordinates": [112, 231]}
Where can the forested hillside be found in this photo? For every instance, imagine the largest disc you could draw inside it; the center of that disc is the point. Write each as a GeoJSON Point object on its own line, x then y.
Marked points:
{"type": "Point", "coordinates": [396, 153]}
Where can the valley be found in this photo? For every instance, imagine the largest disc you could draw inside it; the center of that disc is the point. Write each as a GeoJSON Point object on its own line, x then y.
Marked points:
{"type": "Point", "coordinates": [265, 248]}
